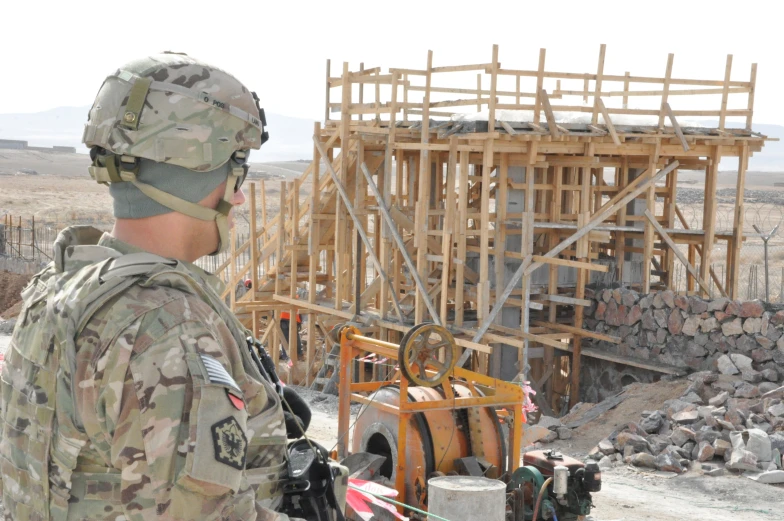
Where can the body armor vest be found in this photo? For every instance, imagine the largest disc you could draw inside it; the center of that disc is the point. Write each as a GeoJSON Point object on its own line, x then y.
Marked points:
{"type": "Point", "coordinates": [42, 435]}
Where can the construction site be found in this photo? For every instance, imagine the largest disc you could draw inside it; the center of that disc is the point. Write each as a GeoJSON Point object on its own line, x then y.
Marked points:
{"type": "Point", "coordinates": [485, 272]}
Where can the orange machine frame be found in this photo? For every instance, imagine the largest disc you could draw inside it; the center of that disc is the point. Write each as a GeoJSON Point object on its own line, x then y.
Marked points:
{"type": "Point", "coordinates": [498, 393]}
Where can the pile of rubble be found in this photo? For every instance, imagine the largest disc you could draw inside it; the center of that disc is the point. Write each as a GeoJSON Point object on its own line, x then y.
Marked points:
{"type": "Point", "coordinates": [726, 419]}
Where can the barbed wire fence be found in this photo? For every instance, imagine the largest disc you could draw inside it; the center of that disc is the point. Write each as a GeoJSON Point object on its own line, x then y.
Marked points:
{"type": "Point", "coordinates": [762, 220]}
{"type": "Point", "coordinates": [31, 239]}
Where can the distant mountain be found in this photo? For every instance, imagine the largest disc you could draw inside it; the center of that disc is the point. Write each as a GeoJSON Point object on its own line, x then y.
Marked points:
{"type": "Point", "coordinates": [290, 138]}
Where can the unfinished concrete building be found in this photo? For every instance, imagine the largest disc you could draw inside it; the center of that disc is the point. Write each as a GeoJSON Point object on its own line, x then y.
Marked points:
{"type": "Point", "coordinates": [488, 207]}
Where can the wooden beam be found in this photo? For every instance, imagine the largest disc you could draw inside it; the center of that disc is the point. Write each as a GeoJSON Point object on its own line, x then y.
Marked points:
{"type": "Point", "coordinates": [676, 127]}
{"type": "Point", "coordinates": [608, 122]}
{"type": "Point", "coordinates": [577, 331]}
{"type": "Point", "coordinates": [674, 248]}
{"type": "Point", "coordinates": [738, 223]}
{"type": "Point", "coordinates": [548, 113]}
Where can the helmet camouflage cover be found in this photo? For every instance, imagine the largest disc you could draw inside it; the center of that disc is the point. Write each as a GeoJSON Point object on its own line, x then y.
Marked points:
{"type": "Point", "coordinates": [174, 109]}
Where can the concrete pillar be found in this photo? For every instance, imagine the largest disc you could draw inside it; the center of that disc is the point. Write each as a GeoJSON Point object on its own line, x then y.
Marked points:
{"type": "Point", "coordinates": [467, 498]}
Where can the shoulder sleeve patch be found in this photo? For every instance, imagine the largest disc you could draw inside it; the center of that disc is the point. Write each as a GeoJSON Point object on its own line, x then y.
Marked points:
{"type": "Point", "coordinates": [230, 443]}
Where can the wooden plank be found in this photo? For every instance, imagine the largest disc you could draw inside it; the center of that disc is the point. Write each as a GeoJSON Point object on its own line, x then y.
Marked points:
{"type": "Point", "coordinates": [666, 90]}
{"type": "Point", "coordinates": [738, 222]}
{"type": "Point", "coordinates": [633, 362]}
{"type": "Point", "coordinates": [752, 88]}
{"type": "Point", "coordinates": [676, 126]}
{"type": "Point", "coordinates": [462, 208]}
{"type": "Point", "coordinates": [571, 264]}
{"type": "Point", "coordinates": [650, 203]}
{"type": "Point", "coordinates": [548, 113]}
{"type": "Point", "coordinates": [597, 410]}
{"type": "Point", "coordinates": [539, 84]}
{"type": "Point", "coordinates": [508, 128]}
{"type": "Point", "coordinates": [598, 86]}
{"type": "Point", "coordinates": [421, 219]}
{"type": "Point", "coordinates": [448, 228]}
{"type": "Point", "coordinates": [493, 89]}
{"type": "Point", "coordinates": [607, 121]}
{"type": "Point", "coordinates": [674, 248]}
{"type": "Point", "coordinates": [725, 93]}
{"type": "Point", "coordinates": [562, 299]}
{"type": "Point", "coordinates": [483, 301]}
{"type": "Point", "coordinates": [577, 331]}
{"type": "Point", "coordinates": [709, 214]}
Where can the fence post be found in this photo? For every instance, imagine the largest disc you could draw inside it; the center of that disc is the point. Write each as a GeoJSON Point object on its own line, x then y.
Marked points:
{"type": "Point", "coordinates": [2, 234]}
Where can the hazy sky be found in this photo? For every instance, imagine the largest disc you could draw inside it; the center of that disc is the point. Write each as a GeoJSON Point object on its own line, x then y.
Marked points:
{"type": "Point", "coordinates": [58, 53]}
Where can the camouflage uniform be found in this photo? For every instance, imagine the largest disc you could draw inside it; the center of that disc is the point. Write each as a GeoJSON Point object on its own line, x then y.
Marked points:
{"type": "Point", "coordinates": [148, 408]}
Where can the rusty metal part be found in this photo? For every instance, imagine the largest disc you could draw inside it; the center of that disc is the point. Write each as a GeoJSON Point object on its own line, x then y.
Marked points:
{"type": "Point", "coordinates": [434, 438]}
{"type": "Point", "coordinates": [427, 346]}
{"type": "Point", "coordinates": [423, 429]}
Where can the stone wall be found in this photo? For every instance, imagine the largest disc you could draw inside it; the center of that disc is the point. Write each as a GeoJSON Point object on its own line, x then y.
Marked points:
{"type": "Point", "coordinates": [688, 333]}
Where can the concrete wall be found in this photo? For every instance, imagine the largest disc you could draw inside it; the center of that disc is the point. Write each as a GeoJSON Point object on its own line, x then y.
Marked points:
{"type": "Point", "coordinates": [686, 332]}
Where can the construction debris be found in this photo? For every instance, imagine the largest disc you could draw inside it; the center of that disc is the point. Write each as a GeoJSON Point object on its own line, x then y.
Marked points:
{"type": "Point", "coordinates": [721, 421]}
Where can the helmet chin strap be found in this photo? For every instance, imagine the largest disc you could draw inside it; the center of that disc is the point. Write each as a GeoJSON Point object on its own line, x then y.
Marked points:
{"type": "Point", "coordinates": [106, 170]}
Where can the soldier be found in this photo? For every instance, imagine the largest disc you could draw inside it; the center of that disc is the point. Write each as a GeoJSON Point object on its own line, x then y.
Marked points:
{"type": "Point", "coordinates": [128, 391]}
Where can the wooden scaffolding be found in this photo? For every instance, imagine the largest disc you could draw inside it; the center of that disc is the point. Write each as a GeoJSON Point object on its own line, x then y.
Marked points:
{"type": "Point", "coordinates": [493, 222]}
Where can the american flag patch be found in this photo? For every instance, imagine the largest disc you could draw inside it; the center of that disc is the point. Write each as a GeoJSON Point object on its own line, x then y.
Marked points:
{"type": "Point", "coordinates": [217, 374]}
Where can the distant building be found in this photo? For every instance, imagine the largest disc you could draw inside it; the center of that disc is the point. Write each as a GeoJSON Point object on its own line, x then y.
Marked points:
{"type": "Point", "coordinates": [13, 143]}
{"type": "Point", "coordinates": [17, 144]}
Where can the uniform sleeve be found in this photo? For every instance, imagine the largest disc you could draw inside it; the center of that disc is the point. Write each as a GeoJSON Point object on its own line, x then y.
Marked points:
{"type": "Point", "coordinates": [176, 435]}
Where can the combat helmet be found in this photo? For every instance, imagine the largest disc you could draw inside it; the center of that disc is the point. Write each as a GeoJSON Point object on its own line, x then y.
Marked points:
{"type": "Point", "coordinates": [171, 108]}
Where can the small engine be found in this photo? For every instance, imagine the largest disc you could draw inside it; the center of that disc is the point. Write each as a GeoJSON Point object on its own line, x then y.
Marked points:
{"type": "Point", "coordinates": [567, 483]}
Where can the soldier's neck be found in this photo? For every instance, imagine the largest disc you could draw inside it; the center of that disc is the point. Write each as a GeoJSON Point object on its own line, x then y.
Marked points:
{"type": "Point", "coordinates": [170, 235]}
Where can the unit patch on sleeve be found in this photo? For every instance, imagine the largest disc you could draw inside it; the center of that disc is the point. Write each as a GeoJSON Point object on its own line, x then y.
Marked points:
{"type": "Point", "coordinates": [230, 443]}
{"type": "Point", "coordinates": [217, 373]}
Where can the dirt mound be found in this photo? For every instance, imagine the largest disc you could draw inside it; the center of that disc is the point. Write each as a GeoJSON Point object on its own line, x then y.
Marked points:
{"type": "Point", "coordinates": [635, 399]}
{"type": "Point", "coordinates": [11, 285]}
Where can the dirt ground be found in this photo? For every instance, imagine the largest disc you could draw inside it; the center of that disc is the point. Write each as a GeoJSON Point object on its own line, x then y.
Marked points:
{"type": "Point", "coordinates": [11, 284]}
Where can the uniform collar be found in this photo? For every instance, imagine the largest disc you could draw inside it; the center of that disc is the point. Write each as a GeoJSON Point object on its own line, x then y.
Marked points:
{"type": "Point", "coordinates": [206, 277]}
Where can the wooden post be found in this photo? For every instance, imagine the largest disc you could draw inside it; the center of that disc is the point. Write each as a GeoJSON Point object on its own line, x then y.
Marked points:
{"type": "Point", "coordinates": [483, 299]}
{"type": "Point", "coordinates": [341, 219]}
{"type": "Point", "coordinates": [254, 258]}
{"type": "Point", "coordinates": [752, 87]}
{"type": "Point", "coordinates": [738, 223]}
{"type": "Point", "coordinates": [539, 83]}
{"type": "Point", "coordinates": [709, 212]}
{"type": "Point", "coordinates": [650, 200]}
{"type": "Point", "coordinates": [725, 94]}
{"type": "Point", "coordinates": [448, 228]}
{"type": "Point", "coordinates": [314, 252]}
{"type": "Point", "coordinates": [326, 95]}
{"type": "Point", "coordinates": [462, 219]}
{"type": "Point", "coordinates": [665, 90]}
{"type": "Point", "coordinates": [423, 200]}
{"type": "Point", "coordinates": [598, 86]}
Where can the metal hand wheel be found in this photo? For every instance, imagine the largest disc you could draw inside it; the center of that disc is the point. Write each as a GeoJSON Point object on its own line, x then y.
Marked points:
{"type": "Point", "coordinates": [422, 348]}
